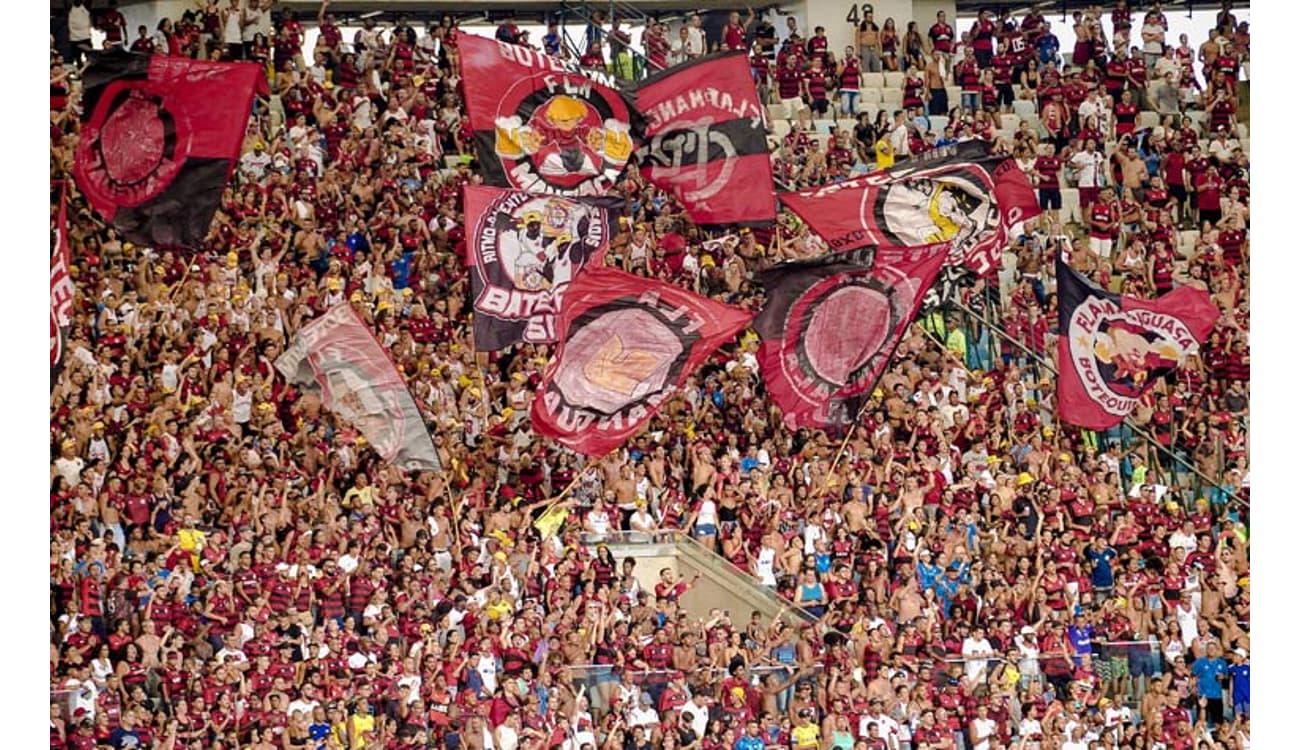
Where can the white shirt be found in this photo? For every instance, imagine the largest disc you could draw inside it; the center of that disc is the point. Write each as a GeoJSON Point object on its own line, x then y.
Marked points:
{"type": "Point", "coordinates": [898, 141]}
{"type": "Point", "coordinates": [1086, 165]}
{"type": "Point", "coordinates": [886, 728]}
{"type": "Point", "coordinates": [642, 716]}
{"type": "Point", "coordinates": [302, 704]}
{"type": "Point", "coordinates": [983, 728]}
{"type": "Point", "coordinates": [79, 24]}
{"type": "Point", "coordinates": [975, 667]}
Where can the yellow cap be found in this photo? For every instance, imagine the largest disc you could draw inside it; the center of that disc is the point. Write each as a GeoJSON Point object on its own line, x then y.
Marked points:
{"type": "Point", "coordinates": [1024, 478]}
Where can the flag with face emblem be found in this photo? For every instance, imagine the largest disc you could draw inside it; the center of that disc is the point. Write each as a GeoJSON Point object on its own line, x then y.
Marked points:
{"type": "Point", "coordinates": [524, 251]}
{"type": "Point", "coordinates": [1112, 349]}
{"type": "Point", "coordinates": [542, 124]}
{"type": "Point", "coordinates": [963, 196]}
{"type": "Point", "coordinates": [625, 344]}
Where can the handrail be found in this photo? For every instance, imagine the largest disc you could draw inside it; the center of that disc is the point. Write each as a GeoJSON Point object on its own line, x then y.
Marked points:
{"type": "Point", "coordinates": [1146, 436]}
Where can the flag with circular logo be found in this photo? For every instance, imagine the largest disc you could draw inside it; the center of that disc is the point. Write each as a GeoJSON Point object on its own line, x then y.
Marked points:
{"type": "Point", "coordinates": [831, 324]}
{"type": "Point", "coordinates": [160, 136]}
{"type": "Point", "coordinates": [963, 196]}
{"type": "Point", "coordinates": [1112, 349]}
{"type": "Point", "coordinates": [626, 343]}
{"type": "Point", "coordinates": [545, 125]}
{"type": "Point", "coordinates": [525, 249]}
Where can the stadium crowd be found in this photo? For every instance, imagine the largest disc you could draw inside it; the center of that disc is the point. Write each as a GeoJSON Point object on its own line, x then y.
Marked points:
{"type": "Point", "coordinates": [232, 567]}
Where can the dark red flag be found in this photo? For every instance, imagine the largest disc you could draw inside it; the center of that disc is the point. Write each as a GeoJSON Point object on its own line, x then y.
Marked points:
{"type": "Point", "coordinates": [544, 125]}
{"type": "Point", "coordinates": [706, 140]}
{"type": "Point", "coordinates": [962, 195]}
{"type": "Point", "coordinates": [1113, 348]}
{"type": "Point", "coordinates": [831, 324]}
{"type": "Point", "coordinates": [61, 289]}
{"type": "Point", "coordinates": [525, 250]}
{"type": "Point", "coordinates": [159, 138]}
{"type": "Point", "coordinates": [626, 343]}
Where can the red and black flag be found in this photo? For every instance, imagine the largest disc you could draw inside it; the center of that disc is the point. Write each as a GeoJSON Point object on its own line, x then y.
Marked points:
{"type": "Point", "coordinates": [337, 357]}
{"type": "Point", "coordinates": [525, 249]}
{"type": "Point", "coordinates": [1112, 348]}
{"type": "Point", "coordinates": [544, 125]}
{"type": "Point", "coordinates": [831, 324]}
{"type": "Point", "coordinates": [963, 196]}
{"type": "Point", "coordinates": [706, 140]}
{"type": "Point", "coordinates": [159, 138]}
{"type": "Point", "coordinates": [625, 344]}
{"type": "Point", "coordinates": [61, 289]}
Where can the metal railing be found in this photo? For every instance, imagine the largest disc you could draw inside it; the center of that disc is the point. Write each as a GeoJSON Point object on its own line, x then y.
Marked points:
{"type": "Point", "coordinates": [989, 344]}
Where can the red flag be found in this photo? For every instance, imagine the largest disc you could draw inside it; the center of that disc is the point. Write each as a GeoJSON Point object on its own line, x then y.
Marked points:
{"type": "Point", "coordinates": [1113, 348]}
{"type": "Point", "coordinates": [963, 196]}
{"type": "Point", "coordinates": [544, 125]}
{"type": "Point", "coordinates": [159, 138]}
{"type": "Point", "coordinates": [337, 357]}
{"type": "Point", "coordinates": [626, 343]}
{"type": "Point", "coordinates": [831, 324]}
{"type": "Point", "coordinates": [61, 289]}
{"type": "Point", "coordinates": [525, 250]}
{"type": "Point", "coordinates": [706, 140]}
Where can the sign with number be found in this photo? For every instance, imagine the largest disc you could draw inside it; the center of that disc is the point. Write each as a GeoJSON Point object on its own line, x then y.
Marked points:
{"type": "Point", "coordinates": [854, 9]}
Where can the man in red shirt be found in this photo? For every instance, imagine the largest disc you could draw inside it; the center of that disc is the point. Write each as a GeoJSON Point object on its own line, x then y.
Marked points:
{"type": "Point", "coordinates": [941, 35]}
{"type": "Point", "coordinates": [113, 24]}
{"type": "Point", "coordinates": [1102, 218]}
{"type": "Point", "coordinates": [733, 36]}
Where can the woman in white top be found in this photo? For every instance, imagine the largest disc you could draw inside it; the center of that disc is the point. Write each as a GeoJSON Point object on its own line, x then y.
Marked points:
{"type": "Point", "coordinates": [232, 30]}
{"type": "Point", "coordinates": [704, 521]}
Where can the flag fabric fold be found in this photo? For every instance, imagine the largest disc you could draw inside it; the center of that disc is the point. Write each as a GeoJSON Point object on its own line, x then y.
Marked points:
{"type": "Point", "coordinates": [1112, 349]}
{"type": "Point", "coordinates": [545, 125]}
{"type": "Point", "coordinates": [61, 288]}
{"type": "Point", "coordinates": [706, 140]}
{"type": "Point", "coordinates": [524, 250]}
{"type": "Point", "coordinates": [160, 136]}
{"type": "Point", "coordinates": [625, 344]}
{"type": "Point", "coordinates": [336, 357]}
{"type": "Point", "coordinates": [963, 195]}
{"type": "Point", "coordinates": [831, 325]}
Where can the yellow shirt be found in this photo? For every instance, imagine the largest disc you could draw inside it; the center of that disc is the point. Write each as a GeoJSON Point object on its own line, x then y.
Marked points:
{"type": "Point", "coordinates": [191, 539]}
{"type": "Point", "coordinates": [808, 735]}
{"type": "Point", "coordinates": [884, 154]}
{"type": "Point", "coordinates": [361, 725]}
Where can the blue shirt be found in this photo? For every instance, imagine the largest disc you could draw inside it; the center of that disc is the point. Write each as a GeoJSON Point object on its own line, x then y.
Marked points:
{"type": "Point", "coordinates": [927, 574]}
{"type": "Point", "coordinates": [1207, 673]}
{"type": "Point", "coordinates": [1103, 575]}
{"type": "Point", "coordinates": [1240, 683]}
{"type": "Point", "coordinates": [749, 743]}
{"type": "Point", "coordinates": [1081, 639]}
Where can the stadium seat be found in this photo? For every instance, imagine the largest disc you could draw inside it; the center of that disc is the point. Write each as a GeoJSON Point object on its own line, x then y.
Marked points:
{"type": "Point", "coordinates": [1010, 122]}
{"type": "Point", "coordinates": [1024, 108]}
{"type": "Point", "coordinates": [775, 111]}
{"type": "Point", "coordinates": [954, 97]}
{"type": "Point", "coordinates": [780, 128]}
{"type": "Point", "coordinates": [892, 97]}
{"type": "Point", "coordinates": [938, 123]}
{"type": "Point", "coordinates": [1245, 146]}
{"type": "Point", "coordinates": [1243, 131]}
{"type": "Point", "coordinates": [1070, 205]}
{"type": "Point", "coordinates": [821, 138]}
{"type": "Point", "coordinates": [1197, 116]}
{"type": "Point", "coordinates": [873, 80]}
{"type": "Point", "coordinates": [893, 80]}
{"type": "Point", "coordinates": [1187, 242]}
{"type": "Point", "coordinates": [824, 126]}
{"type": "Point", "coordinates": [1148, 119]}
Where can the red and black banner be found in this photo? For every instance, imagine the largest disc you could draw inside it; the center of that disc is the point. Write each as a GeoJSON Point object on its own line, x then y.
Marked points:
{"type": "Point", "coordinates": [525, 249]}
{"type": "Point", "coordinates": [706, 140]}
{"type": "Point", "coordinates": [831, 324]}
{"type": "Point", "coordinates": [159, 138]}
{"type": "Point", "coordinates": [625, 344]}
{"type": "Point", "coordinates": [963, 196]}
{"type": "Point", "coordinates": [544, 125]}
{"type": "Point", "coordinates": [61, 289]}
{"type": "Point", "coordinates": [1113, 348]}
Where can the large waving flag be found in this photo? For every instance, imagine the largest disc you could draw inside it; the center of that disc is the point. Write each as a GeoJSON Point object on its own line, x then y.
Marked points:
{"type": "Point", "coordinates": [336, 357]}
{"type": "Point", "coordinates": [1113, 348]}
{"type": "Point", "coordinates": [706, 140]}
{"type": "Point", "coordinates": [544, 125]}
{"type": "Point", "coordinates": [831, 324]}
{"type": "Point", "coordinates": [61, 289]}
{"type": "Point", "coordinates": [626, 343]}
{"type": "Point", "coordinates": [159, 138]}
{"type": "Point", "coordinates": [963, 196]}
{"type": "Point", "coordinates": [525, 250]}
